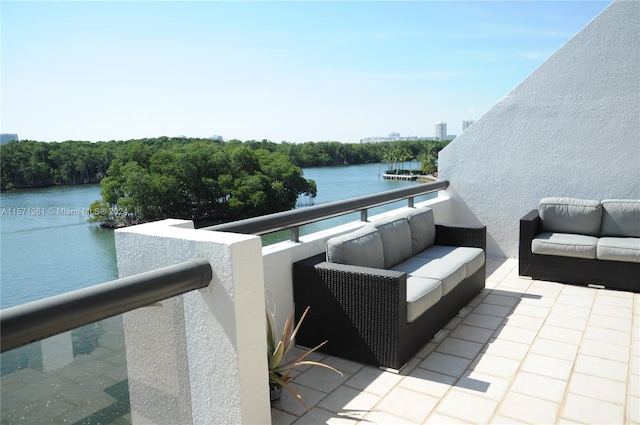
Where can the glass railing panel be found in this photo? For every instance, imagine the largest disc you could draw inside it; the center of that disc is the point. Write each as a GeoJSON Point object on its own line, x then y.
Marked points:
{"type": "Point", "coordinates": [283, 235]}
{"type": "Point", "coordinates": [78, 377]}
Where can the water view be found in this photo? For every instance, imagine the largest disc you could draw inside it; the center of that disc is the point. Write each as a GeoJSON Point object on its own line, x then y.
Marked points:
{"type": "Point", "coordinates": [48, 247]}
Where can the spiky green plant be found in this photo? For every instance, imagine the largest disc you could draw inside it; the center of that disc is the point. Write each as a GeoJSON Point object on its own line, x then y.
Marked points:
{"type": "Point", "coordinates": [277, 349]}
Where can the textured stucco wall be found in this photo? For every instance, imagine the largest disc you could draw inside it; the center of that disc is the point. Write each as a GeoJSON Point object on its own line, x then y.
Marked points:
{"type": "Point", "coordinates": [198, 358]}
{"type": "Point", "coordinates": [572, 128]}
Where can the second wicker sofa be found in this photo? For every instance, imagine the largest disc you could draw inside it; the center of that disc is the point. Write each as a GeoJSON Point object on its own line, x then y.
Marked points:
{"type": "Point", "coordinates": [380, 293]}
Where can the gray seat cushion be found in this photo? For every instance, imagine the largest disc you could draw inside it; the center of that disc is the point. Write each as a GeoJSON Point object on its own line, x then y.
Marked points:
{"type": "Point", "coordinates": [621, 217]}
{"type": "Point", "coordinates": [396, 240]}
{"type": "Point", "coordinates": [570, 215]}
{"type": "Point", "coordinates": [422, 293]}
{"type": "Point", "coordinates": [449, 272]}
{"type": "Point", "coordinates": [473, 258]}
{"type": "Point", "coordinates": [423, 228]}
{"type": "Point", "coordinates": [565, 245]}
{"type": "Point", "coordinates": [619, 249]}
{"type": "Point", "coordinates": [362, 247]}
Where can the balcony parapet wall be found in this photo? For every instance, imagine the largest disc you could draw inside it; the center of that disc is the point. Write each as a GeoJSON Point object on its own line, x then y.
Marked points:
{"type": "Point", "coordinates": [183, 354]}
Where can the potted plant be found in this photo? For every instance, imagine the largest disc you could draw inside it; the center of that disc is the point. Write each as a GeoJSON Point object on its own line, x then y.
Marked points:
{"type": "Point", "coordinates": [280, 367]}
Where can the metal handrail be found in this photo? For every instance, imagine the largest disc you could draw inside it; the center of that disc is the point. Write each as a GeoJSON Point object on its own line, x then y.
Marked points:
{"type": "Point", "coordinates": [30, 322]}
{"type": "Point", "coordinates": [295, 218]}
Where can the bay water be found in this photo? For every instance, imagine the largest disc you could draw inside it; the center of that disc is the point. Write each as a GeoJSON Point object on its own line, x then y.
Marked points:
{"type": "Point", "coordinates": [47, 247]}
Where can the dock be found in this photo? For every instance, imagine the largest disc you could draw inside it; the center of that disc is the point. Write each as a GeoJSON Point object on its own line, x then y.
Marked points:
{"type": "Point", "coordinates": [400, 176]}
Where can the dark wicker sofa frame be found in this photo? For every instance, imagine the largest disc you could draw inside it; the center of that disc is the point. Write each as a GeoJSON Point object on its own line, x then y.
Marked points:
{"type": "Point", "coordinates": [362, 312]}
{"type": "Point", "coordinates": [610, 274]}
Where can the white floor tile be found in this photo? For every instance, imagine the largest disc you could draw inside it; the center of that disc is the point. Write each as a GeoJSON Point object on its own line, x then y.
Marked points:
{"type": "Point", "coordinates": [446, 364]}
{"type": "Point", "coordinates": [529, 409]}
{"type": "Point", "coordinates": [428, 382]}
{"type": "Point", "coordinates": [459, 347]}
{"type": "Point", "coordinates": [598, 388]}
{"type": "Point", "coordinates": [588, 410]}
{"type": "Point", "coordinates": [540, 386]}
{"type": "Point", "coordinates": [603, 368]}
{"type": "Point", "coordinates": [556, 333]}
{"type": "Point", "coordinates": [501, 367]}
{"type": "Point", "coordinates": [547, 366]}
{"type": "Point", "coordinates": [509, 349]}
{"type": "Point", "coordinates": [472, 333]}
{"type": "Point", "coordinates": [555, 349]}
{"type": "Point", "coordinates": [374, 380]}
{"type": "Point", "coordinates": [467, 407]}
{"type": "Point", "coordinates": [483, 321]}
{"type": "Point", "coordinates": [408, 404]}
{"type": "Point", "coordinates": [384, 418]}
{"type": "Point", "coordinates": [349, 402]}
{"type": "Point", "coordinates": [516, 334]}
{"type": "Point", "coordinates": [483, 385]}
{"type": "Point", "coordinates": [605, 350]}
{"type": "Point", "coordinates": [527, 322]}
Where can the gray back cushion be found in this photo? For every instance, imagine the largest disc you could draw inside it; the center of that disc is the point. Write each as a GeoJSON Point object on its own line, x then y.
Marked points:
{"type": "Point", "coordinates": [362, 247]}
{"type": "Point", "coordinates": [423, 228]}
{"type": "Point", "coordinates": [396, 239]}
{"type": "Point", "coordinates": [570, 215]}
{"type": "Point", "coordinates": [621, 217]}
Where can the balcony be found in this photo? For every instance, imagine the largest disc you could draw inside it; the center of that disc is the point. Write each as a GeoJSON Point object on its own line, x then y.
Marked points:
{"type": "Point", "coordinates": [523, 351]}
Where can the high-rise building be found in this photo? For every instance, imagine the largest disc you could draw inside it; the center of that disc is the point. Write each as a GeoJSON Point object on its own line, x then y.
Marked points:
{"type": "Point", "coordinates": [441, 131]}
{"type": "Point", "coordinates": [466, 124]}
{"type": "Point", "coordinates": [7, 137]}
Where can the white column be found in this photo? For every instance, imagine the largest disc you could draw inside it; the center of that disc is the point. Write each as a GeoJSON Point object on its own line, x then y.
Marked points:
{"type": "Point", "coordinates": [199, 358]}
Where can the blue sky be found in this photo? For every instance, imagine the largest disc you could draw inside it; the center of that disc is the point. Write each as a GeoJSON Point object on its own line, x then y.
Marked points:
{"type": "Point", "coordinates": [282, 71]}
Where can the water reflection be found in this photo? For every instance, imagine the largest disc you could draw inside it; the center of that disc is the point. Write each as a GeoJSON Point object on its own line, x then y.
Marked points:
{"type": "Point", "coordinates": [77, 377]}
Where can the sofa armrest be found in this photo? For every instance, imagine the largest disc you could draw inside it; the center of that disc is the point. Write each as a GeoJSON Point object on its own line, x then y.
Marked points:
{"type": "Point", "coordinates": [358, 310]}
{"type": "Point", "coordinates": [529, 228]}
{"type": "Point", "coordinates": [455, 235]}
{"type": "Point", "coordinates": [370, 290]}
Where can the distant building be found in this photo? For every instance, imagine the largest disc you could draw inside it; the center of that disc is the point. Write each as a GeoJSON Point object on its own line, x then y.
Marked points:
{"type": "Point", "coordinates": [392, 138]}
{"type": "Point", "coordinates": [7, 137]}
{"type": "Point", "coordinates": [441, 131]}
{"type": "Point", "coordinates": [466, 124]}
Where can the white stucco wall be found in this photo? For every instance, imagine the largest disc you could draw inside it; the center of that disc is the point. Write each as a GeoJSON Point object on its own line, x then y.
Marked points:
{"type": "Point", "coordinates": [198, 358]}
{"type": "Point", "coordinates": [572, 128]}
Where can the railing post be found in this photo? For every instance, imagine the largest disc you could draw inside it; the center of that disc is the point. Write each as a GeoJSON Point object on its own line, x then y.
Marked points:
{"type": "Point", "coordinates": [294, 234]}
{"type": "Point", "coordinates": [364, 215]}
{"type": "Point", "coordinates": [197, 358]}
{"type": "Point", "coordinates": [410, 201]}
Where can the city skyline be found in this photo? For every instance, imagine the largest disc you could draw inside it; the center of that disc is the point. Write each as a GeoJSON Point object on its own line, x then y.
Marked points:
{"type": "Point", "coordinates": [282, 71]}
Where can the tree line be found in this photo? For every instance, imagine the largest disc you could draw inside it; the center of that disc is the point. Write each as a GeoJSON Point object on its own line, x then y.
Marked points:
{"type": "Point", "coordinates": [197, 179]}
{"type": "Point", "coordinates": [28, 163]}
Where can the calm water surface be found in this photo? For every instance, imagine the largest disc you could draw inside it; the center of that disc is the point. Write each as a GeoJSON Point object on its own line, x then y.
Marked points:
{"type": "Point", "coordinates": [47, 247]}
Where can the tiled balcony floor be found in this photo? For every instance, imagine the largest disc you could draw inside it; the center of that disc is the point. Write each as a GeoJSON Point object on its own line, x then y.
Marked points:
{"type": "Point", "coordinates": [523, 351]}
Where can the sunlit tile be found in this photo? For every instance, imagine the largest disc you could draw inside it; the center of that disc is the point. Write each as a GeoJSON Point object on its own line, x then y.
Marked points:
{"type": "Point", "coordinates": [408, 404]}
{"type": "Point", "coordinates": [529, 409]}
{"type": "Point", "coordinates": [603, 368]}
{"type": "Point", "coordinates": [589, 410]}
{"type": "Point", "coordinates": [547, 366]}
{"type": "Point", "coordinates": [467, 407]}
{"type": "Point", "coordinates": [539, 386]}
{"type": "Point", "coordinates": [598, 388]}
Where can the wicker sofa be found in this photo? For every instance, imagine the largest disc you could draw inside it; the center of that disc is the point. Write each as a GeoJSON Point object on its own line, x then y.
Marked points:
{"type": "Point", "coordinates": [582, 242]}
{"type": "Point", "coordinates": [381, 292]}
